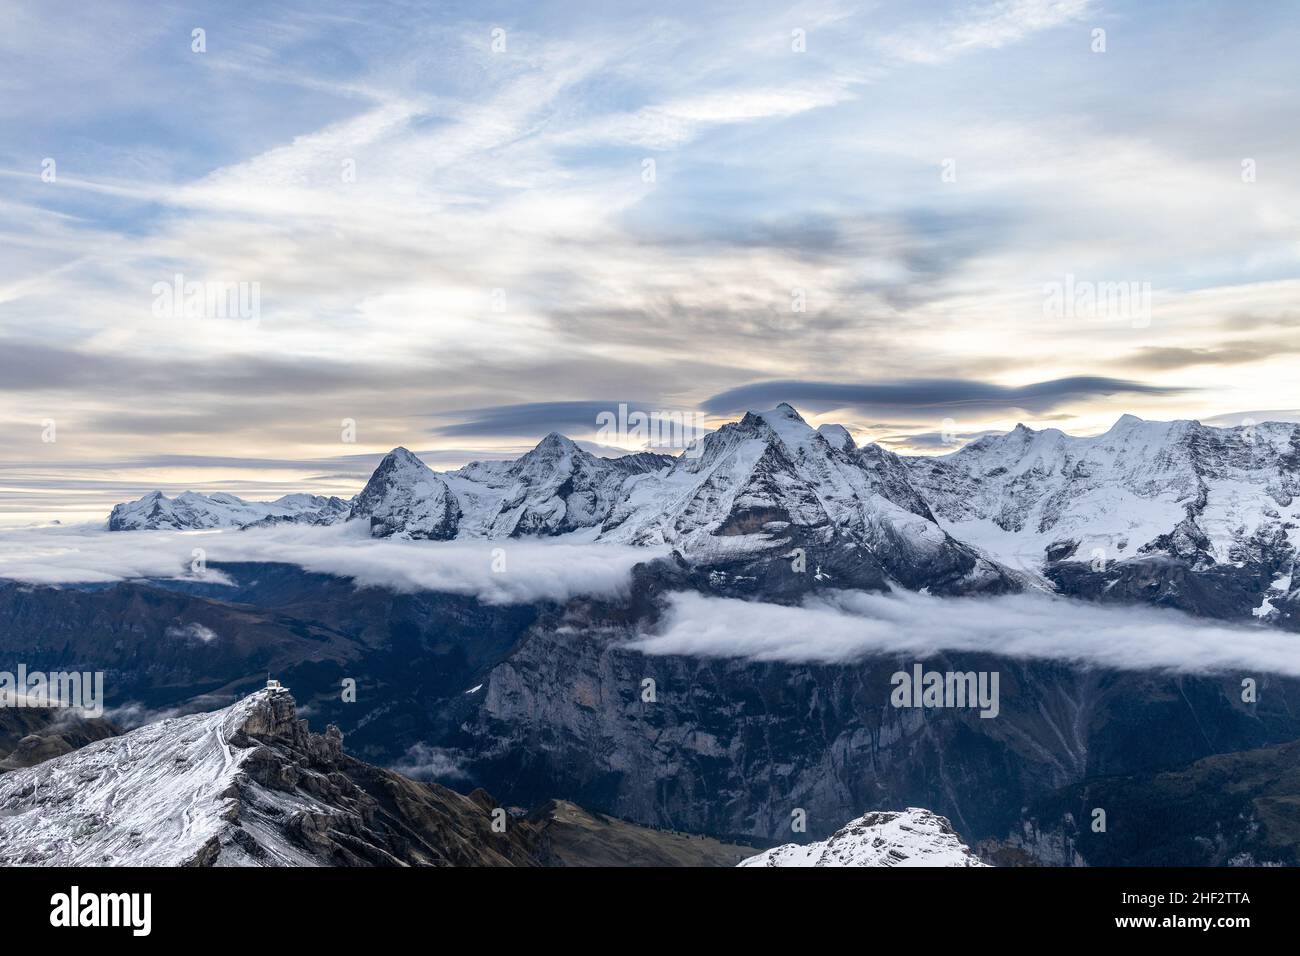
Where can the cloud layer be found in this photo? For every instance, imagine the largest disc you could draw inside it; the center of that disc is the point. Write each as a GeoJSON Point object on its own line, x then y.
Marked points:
{"type": "Point", "coordinates": [847, 626]}
{"type": "Point", "coordinates": [496, 572]}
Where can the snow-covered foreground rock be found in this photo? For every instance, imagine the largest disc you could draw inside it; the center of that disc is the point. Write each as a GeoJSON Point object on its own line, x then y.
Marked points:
{"type": "Point", "coordinates": [911, 837]}
{"type": "Point", "coordinates": [245, 786]}
{"type": "Point", "coordinates": [155, 796]}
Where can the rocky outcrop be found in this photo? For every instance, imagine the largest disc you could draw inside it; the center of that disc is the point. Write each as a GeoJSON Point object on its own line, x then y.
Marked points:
{"type": "Point", "coordinates": [247, 785]}
{"type": "Point", "coordinates": [339, 811]}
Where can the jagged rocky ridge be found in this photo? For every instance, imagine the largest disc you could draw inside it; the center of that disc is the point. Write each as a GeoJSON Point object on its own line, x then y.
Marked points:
{"type": "Point", "coordinates": [904, 838]}
{"type": "Point", "coordinates": [250, 785]}
{"type": "Point", "coordinates": [247, 785]}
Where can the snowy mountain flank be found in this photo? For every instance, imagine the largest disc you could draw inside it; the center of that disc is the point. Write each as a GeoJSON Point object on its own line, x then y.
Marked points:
{"type": "Point", "coordinates": [1179, 513]}
{"type": "Point", "coordinates": [245, 786]}
{"type": "Point", "coordinates": [1176, 513]}
{"type": "Point", "coordinates": [911, 837]}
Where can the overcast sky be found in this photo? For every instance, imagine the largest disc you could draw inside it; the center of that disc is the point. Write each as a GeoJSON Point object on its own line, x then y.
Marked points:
{"type": "Point", "coordinates": [469, 224]}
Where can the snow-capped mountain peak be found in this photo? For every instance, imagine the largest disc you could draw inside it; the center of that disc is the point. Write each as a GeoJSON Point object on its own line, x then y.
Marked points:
{"type": "Point", "coordinates": [406, 498]}
{"type": "Point", "coordinates": [837, 436]}
{"type": "Point", "coordinates": [911, 837]}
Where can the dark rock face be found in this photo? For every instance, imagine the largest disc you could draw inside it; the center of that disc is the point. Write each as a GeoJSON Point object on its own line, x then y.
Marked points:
{"type": "Point", "coordinates": [1224, 591]}
{"type": "Point", "coordinates": [1233, 809]}
{"type": "Point", "coordinates": [731, 747]}
{"type": "Point", "coordinates": [302, 788]}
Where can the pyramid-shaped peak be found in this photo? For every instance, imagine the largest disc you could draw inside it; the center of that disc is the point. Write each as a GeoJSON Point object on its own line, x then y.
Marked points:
{"type": "Point", "coordinates": [555, 439]}
{"type": "Point", "coordinates": [555, 443]}
{"type": "Point", "coordinates": [401, 458]}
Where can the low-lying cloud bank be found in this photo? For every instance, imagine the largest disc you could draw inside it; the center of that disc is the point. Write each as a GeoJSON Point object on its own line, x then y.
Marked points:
{"type": "Point", "coordinates": [496, 572]}
{"type": "Point", "coordinates": [844, 626]}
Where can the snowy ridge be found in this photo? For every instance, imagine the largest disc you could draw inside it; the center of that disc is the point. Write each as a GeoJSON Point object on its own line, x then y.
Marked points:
{"type": "Point", "coordinates": [191, 511]}
{"type": "Point", "coordinates": [911, 837]}
{"type": "Point", "coordinates": [154, 796]}
{"type": "Point", "coordinates": [1206, 495]}
{"type": "Point", "coordinates": [771, 482]}
{"type": "Point", "coordinates": [249, 785]}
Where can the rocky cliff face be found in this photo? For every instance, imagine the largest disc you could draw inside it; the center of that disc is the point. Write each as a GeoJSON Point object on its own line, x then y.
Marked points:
{"type": "Point", "coordinates": [248, 785]}
{"type": "Point", "coordinates": [1231, 809]}
{"type": "Point", "coordinates": [733, 747]}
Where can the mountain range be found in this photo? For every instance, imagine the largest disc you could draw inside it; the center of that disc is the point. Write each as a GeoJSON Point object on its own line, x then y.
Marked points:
{"type": "Point", "coordinates": [539, 701]}
{"type": "Point", "coordinates": [1176, 514]}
